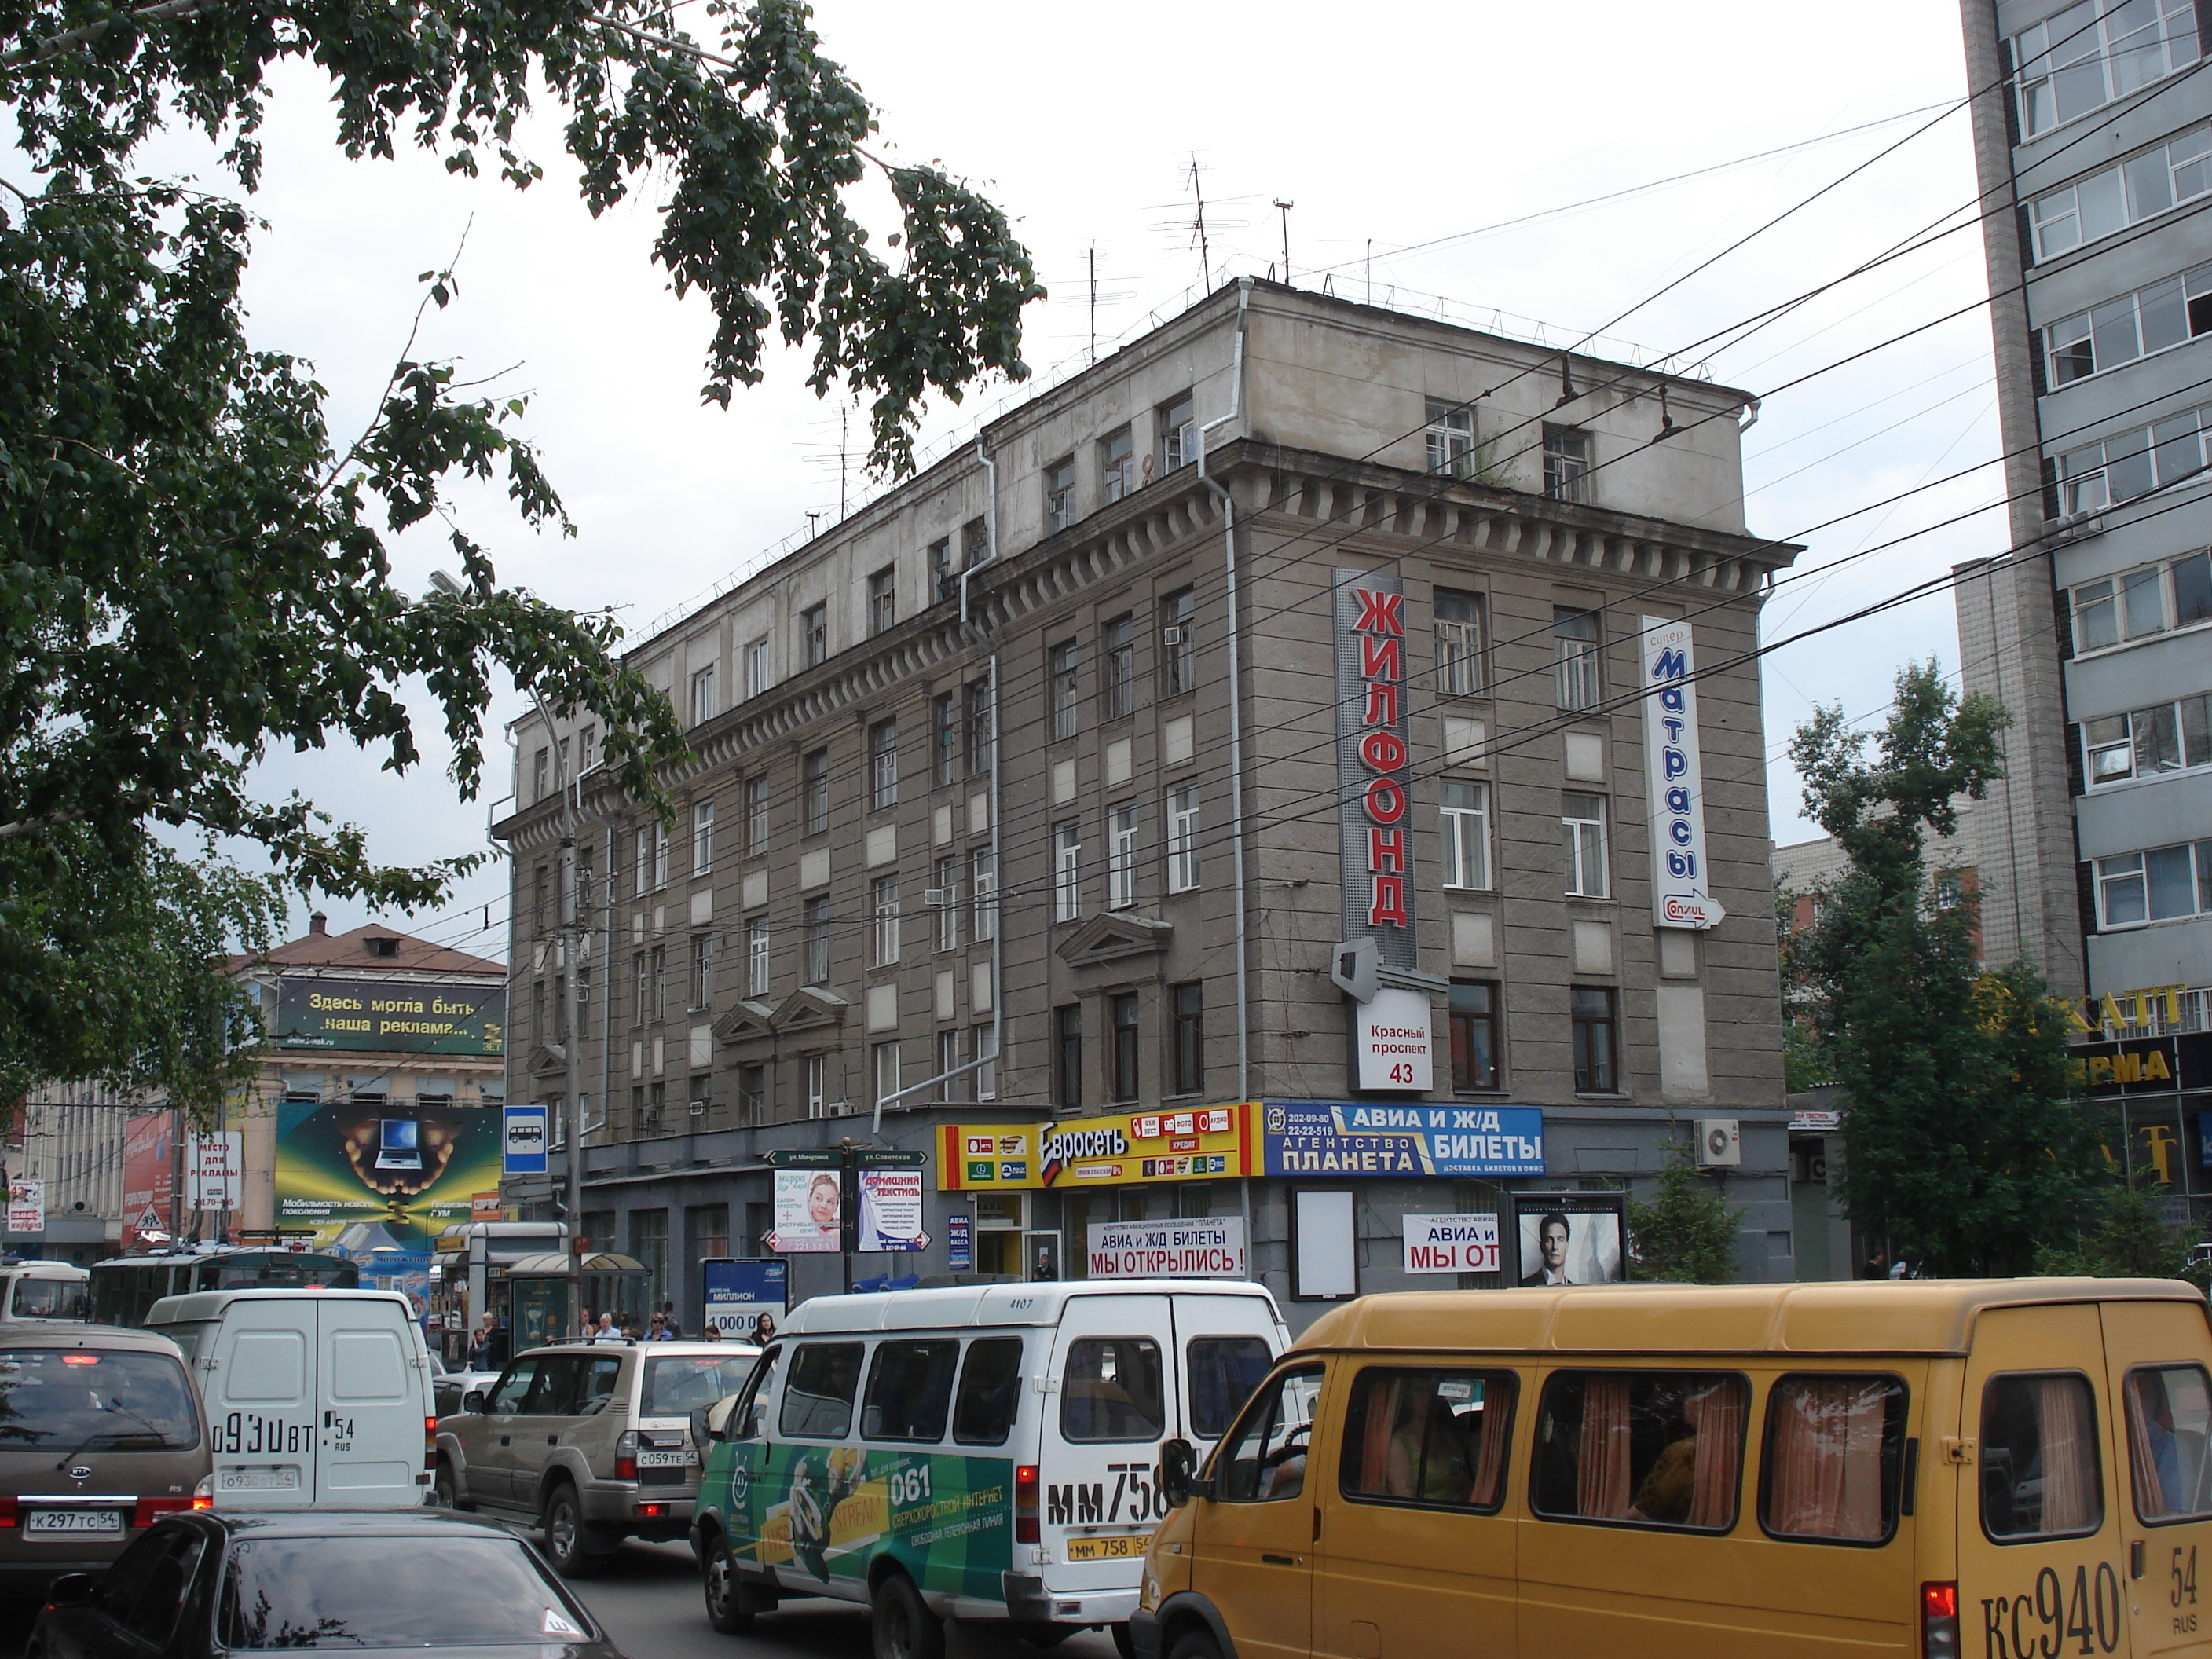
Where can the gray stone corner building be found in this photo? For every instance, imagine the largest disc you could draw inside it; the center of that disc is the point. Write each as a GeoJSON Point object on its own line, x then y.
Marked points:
{"type": "Point", "coordinates": [1296, 623]}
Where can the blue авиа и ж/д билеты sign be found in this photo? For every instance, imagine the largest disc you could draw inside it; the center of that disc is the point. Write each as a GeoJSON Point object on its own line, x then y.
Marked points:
{"type": "Point", "coordinates": [1324, 1136]}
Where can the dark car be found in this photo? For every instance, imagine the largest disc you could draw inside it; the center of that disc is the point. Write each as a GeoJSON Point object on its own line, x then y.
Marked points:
{"type": "Point", "coordinates": [221, 1582]}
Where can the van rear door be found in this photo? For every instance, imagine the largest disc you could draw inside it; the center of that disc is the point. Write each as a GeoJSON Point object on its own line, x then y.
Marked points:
{"type": "Point", "coordinates": [259, 1380]}
{"type": "Point", "coordinates": [1226, 1344]}
{"type": "Point", "coordinates": [374, 1389]}
{"type": "Point", "coordinates": [2155, 1355]}
{"type": "Point", "coordinates": [1117, 1395]}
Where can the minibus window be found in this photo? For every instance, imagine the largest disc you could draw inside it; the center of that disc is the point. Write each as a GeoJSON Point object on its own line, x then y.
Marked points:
{"type": "Point", "coordinates": [1110, 1389]}
{"type": "Point", "coordinates": [1223, 1371]}
{"type": "Point", "coordinates": [2169, 1417]}
{"type": "Point", "coordinates": [1654, 1449]}
{"type": "Point", "coordinates": [744, 1422]}
{"type": "Point", "coordinates": [1835, 1448]}
{"type": "Point", "coordinates": [1265, 1457]}
{"type": "Point", "coordinates": [817, 1401]}
{"type": "Point", "coordinates": [909, 1390]}
{"type": "Point", "coordinates": [2040, 1477]}
{"type": "Point", "coordinates": [990, 1392]}
{"type": "Point", "coordinates": [1428, 1437]}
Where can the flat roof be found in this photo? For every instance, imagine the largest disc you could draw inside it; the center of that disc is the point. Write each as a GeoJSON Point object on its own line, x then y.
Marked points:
{"type": "Point", "coordinates": [1898, 1317]}
{"type": "Point", "coordinates": [945, 1305]}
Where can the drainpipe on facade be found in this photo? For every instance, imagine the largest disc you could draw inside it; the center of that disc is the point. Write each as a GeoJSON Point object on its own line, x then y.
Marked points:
{"type": "Point", "coordinates": [1236, 727]}
{"type": "Point", "coordinates": [998, 883]}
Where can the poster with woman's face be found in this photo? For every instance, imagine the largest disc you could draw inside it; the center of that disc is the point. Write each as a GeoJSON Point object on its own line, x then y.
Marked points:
{"type": "Point", "coordinates": [1570, 1239]}
{"type": "Point", "coordinates": [808, 1212]}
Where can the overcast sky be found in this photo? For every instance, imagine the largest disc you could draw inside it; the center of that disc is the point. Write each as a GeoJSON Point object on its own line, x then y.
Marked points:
{"type": "Point", "coordinates": [1399, 136]}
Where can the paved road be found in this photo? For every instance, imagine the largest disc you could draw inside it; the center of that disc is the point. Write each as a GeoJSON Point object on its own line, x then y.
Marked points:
{"type": "Point", "coordinates": [649, 1602]}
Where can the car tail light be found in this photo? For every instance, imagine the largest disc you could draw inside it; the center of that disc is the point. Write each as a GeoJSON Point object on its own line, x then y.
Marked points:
{"type": "Point", "coordinates": [651, 1511]}
{"type": "Point", "coordinates": [1025, 1504]}
{"type": "Point", "coordinates": [7, 1511]}
{"type": "Point", "coordinates": [203, 1494]}
{"type": "Point", "coordinates": [1939, 1622]}
{"type": "Point", "coordinates": [431, 1442]}
{"type": "Point", "coordinates": [626, 1456]}
{"type": "Point", "coordinates": [150, 1510]}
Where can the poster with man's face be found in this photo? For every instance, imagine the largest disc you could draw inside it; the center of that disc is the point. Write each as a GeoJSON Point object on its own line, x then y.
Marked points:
{"type": "Point", "coordinates": [1570, 1239]}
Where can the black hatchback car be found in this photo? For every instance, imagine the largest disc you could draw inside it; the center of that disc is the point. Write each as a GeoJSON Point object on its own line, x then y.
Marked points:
{"type": "Point", "coordinates": [223, 1582]}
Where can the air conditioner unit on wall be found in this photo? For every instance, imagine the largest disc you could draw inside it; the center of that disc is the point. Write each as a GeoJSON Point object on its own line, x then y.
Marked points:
{"type": "Point", "coordinates": [1720, 1143]}
{"type": "Point", "coordinates": [1171, 636]}
{"type": "Point", "coordinates": [937, 898]}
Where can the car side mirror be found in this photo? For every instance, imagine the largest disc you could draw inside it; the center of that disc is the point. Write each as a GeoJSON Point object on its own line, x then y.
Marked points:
{"type": "Point", "coordinates": [473, 1401]}
{"type": "Point", "coordinates": [1178, 1480]}
{"type": "Point", "coordinates": [71, 1590]}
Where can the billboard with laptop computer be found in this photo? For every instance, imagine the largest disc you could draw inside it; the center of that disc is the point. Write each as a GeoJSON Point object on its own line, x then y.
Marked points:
{"type": "Point", "coordinates": [368, 1172]}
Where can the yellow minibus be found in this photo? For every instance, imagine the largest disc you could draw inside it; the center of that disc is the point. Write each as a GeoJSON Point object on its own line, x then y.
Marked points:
{"type": "Point", "coordinates": [1985, 1469]}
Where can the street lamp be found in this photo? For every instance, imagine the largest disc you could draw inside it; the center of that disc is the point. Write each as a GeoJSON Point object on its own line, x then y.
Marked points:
{"type": "Point", "coordinates": [571, 1104]}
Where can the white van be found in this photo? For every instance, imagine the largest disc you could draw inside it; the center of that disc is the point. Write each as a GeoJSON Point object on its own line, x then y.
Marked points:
{"type": "Point", "coordinates": [44, 1290]}
{"type": "Point", "coordinates": [985, 1452]}
{"type": "Point", "coordinates": [313, 1396]}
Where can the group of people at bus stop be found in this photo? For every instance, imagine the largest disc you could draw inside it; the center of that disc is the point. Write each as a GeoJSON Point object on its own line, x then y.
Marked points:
{"type": "Point", "coordinates": [491, 1346]}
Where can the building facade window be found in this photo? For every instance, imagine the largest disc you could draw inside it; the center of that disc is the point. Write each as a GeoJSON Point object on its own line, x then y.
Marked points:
{"type": "Point", "coordinates": [755, 817]}
{"type": "Point", "coordinates": [2151, 319]}
{"type": "Point", "coordinates": [983, 1045]}
{"type": "Point", "coordinates": [2112, 199]}
{"type": "Point", "coordinates": [1122, 1012]}
{"type": "Point", "coordinates": [660, 856]}
{"type": "Point", "coordinates": [814, 635]}
{"type": "Point", "coordinates": [2166, 883]}
{"type": "Point", "coordinates": [883, 601]}
{"type": "Point", "coordinates": [983, 883]}
{"type": "Point", "coordinates": [702, 697]}
{"type": "Point", "coordinates": [1595, 1021]}
{"type": "Point", "coordinates": [1566, 463]}
{"type": "Point", "coordinates": [2146, 743]}
{"type": "Point", "coordinates": [2133, 463]}
{"type": "Point", "coordinates": [1464, 819]}
{"type": "Point", "coordinates": [814, 792]}
{"type": "Point", "coordinates": [702, 972]}
{"type": "Point", "coordinates": [1063, 678]}
{"type": "Point", "coordinates": [656, 970]}
{"type": "Point", "coordinates": [1068, 1056]}
{"type": "Point", "coordinates": [948, 1056]}
{"type": "Point", "coordinates": [945, 738]}
{"type": "Point", "coordinates": [1187, 1053]}
{"type": "Point", "coordinates": [814, 1073]}
{"type": "Point", "coordinates": [1122, 857]}
{"type": "Point", "coordinates": [639, 990]}
{"type": "Point", "coordinates": [641, 861]}
{"type": "Point", "coordinates": [1060, 494]}
{"type": "Point", "coordinates": [703, 837]}
{"type": "Point", "coordinates": [1459, 643]}
{"type": "Point", "coordinates": [814, 941]}
{"type": "Point", "coordinates": [756, 674]}
{"type": "Point", "coordinates": [1178, 643]}
{"type": "Point", "coordinates": [975, 543]}
{"type": "Point", "coordinates": [1117, 475]}
{"type": "Point", "coordinates": [883, 765]}
{"type": "Point", "coordinates": [2138, 603]}
{"type": "Point", "coordinates": [978, 743]}
{"type": "Point", "coordinates": [1066, 871]}
{"type": "Point", "coordinates": [944, 899]}
{"type": "Point", "coordinates": [883, 905]}
{"type": "Point", "coordinates": [1117, 666]}
{"type": "Point", "coordinates": [1178, 429]}
{"type": "Point", "coordinates": [1474, 1010]}
{"type": "Point", "coordinates": [886, 1058]}
{"type": "Point", "coordinates": [1451, 438]}
{"type": "Point", "coordinates": [752, 1094]}
{"type": "Point", "coordinates": [1582, 822]}
{"type": "Point", "coordinates": [1577, 655]}
{"type": "Point", "coordinates": [944, 581]}
{"type": "Point", "coordinates": [2089, 54]}
{"type": "Point", "coordinates": [758, 979]}
{"type": "Point", "coordinates": [1182, 838]}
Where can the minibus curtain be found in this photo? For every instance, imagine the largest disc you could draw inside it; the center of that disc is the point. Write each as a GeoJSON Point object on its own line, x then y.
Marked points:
{"type": "Point", "coordinates": [1714, 1413]}
{"type": "Point", "coordinates": [1490, 1461]}
{"type": "Point", "coordinates": [1601, 1487]}
{"type": "Point", "coordinates": [1827, 1462]}
{"type": "Point", "coordinates": [2061, 1409]}
{"type": "Point", "coordinates": [2151, 1500]}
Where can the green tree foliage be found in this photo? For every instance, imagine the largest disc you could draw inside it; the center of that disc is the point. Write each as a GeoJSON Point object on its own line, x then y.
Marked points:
{"type": "Point", "coordinates": [2125, 1238]}
{"type": "Point", "coordinates": [193, 570]}
{"type": "Point", "coordinates": [1964, 1153]}
{"type": "Point", "coordinates": [1687, 1234]}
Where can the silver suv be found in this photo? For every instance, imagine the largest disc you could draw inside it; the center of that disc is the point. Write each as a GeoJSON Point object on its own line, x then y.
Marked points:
{"type": "Point", "coordinates": [592, 1442]}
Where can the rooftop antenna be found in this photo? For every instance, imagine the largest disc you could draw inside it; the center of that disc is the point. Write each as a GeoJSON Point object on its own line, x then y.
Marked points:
{"type": "Point", "coordinates": [1283, 208]}
{"type": "Point", "coordinates": [1093, 357]}
{"type": "Point", "coordinates": [1371, 270]}
{"type": "Point", "coordinates": [1204, 253]}
{"type": "Point", "coordinates": [843, 413]}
